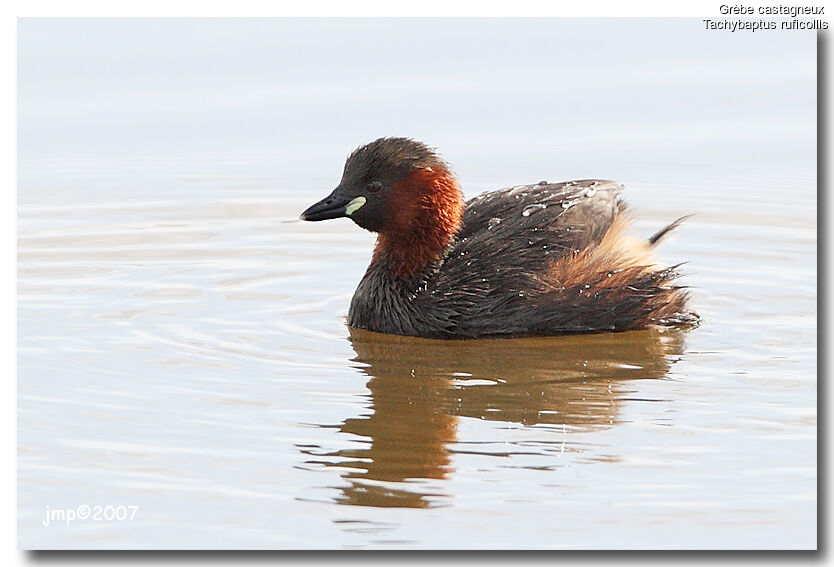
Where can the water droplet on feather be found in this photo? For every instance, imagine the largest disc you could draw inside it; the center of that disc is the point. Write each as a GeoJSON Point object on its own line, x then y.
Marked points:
{"type": "Point", "coordinates": [530, 209]}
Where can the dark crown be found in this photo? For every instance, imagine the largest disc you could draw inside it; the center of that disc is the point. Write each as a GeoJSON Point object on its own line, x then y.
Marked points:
{"type": "Point", "coordinates": [402, 154]}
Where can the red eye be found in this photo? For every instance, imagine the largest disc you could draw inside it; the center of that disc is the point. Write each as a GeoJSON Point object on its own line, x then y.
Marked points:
{"type": "Point", "coordinates": [374, 186]}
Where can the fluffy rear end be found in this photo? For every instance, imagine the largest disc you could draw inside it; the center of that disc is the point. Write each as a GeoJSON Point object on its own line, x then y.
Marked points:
{"type": "Point", "coordinates": [613, 286]}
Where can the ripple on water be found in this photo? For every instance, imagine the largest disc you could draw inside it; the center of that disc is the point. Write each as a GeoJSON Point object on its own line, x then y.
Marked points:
{"type": "Point", "coordinates": [211, 363]}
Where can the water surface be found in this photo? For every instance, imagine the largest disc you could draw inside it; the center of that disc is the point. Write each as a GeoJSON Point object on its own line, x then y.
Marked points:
{"type": "Point", "coordinates": [182, 339]}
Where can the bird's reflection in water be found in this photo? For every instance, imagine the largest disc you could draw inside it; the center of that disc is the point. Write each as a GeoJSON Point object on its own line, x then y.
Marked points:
{"type": "Point", "coordinates": [419, 389]}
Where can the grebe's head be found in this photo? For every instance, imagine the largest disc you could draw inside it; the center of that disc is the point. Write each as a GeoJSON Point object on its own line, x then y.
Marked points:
{"type": "Point", "coordinates": [393, 185]}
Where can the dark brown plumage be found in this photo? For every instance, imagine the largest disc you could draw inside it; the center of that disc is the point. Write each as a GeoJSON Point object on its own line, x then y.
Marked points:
{"type": "Point", "coordinates": [543, 259]}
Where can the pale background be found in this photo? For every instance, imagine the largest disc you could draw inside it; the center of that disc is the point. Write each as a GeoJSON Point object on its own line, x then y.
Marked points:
{"type": "Point", "coordinates": [157, 159]}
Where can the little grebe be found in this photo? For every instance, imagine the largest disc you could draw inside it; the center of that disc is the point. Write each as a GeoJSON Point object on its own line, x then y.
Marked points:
{"type": "Point", "coordinates": [543, 259]}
